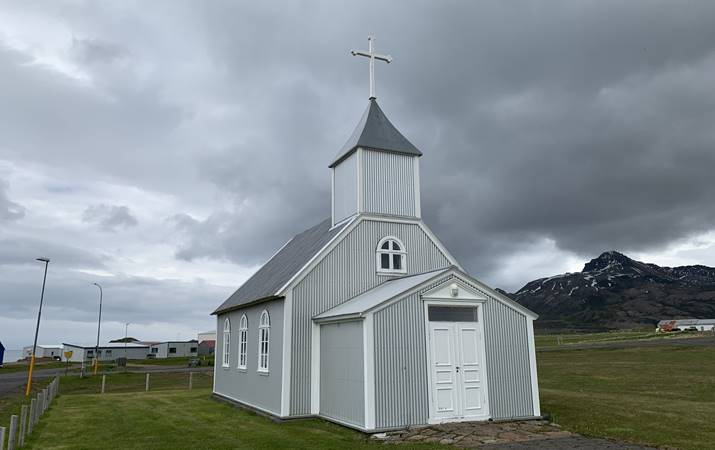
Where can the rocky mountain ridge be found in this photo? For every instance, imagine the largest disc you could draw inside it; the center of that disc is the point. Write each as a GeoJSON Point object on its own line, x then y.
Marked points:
{"type": "Point", "coordinates": [614, 291]}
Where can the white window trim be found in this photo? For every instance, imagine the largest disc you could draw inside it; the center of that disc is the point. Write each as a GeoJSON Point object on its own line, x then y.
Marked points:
{"type": "Point", "coordinates": [379, 252]}
{"type": "Point", "coordinates": [226, 345]}
{"type": "Point", "coordinates": [267, 327]}
{"type": "Point", "coordinates": [243, 343]}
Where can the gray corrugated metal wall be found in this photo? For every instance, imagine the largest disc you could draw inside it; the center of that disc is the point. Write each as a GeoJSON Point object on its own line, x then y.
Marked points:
{"type": "Point", "coordinates": [389, 183]}
{"type": "Point", "coordinates": [344, 273]}
{"type": "Point", "coordinates": [249, 386]}
{"type": "Point", "coordinates": [401, 382]}
{"type": "Point", "coordinates": [508, 370]}
{"type": "Point", "coordinates": [345, 189]}
{"type": "Point", "coordinates": [342, 386]}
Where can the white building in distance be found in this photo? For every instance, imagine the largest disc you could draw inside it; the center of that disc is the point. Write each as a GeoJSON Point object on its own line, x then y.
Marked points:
{"type": "Point", "coordinates": [43, 351]}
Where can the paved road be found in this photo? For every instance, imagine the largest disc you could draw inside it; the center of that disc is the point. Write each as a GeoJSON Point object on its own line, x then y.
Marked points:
{"type": "Point", "coordinates": [13, 381]}
{"type": "Point", "coordinates": [708, 341]}
{"type": "Point", "coordinates": [569, 443]}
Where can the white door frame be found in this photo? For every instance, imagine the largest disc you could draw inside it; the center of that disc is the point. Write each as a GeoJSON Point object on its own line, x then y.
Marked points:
{"type": "Point", "coordinates": [441, 301]}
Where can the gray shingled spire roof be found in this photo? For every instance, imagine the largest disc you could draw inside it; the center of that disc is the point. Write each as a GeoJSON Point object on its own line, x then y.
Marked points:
{"type": "Point", "coordinates": [374, 131]}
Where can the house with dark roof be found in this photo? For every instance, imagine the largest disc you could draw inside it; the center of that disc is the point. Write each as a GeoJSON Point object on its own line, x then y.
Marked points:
{"type": "Point", "coordinates": [366, 319]}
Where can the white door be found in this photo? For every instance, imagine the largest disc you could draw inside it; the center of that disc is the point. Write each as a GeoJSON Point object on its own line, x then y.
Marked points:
{"type": "Point", "coordinates": [457, 372]}
{"type": "Point", "coordinates": [471, 372]}
{"type": "Point", "coordinates": [444, 376]}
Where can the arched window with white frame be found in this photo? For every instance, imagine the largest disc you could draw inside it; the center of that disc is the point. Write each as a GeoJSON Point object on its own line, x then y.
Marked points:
{"type": "Point", "coordinates": [243, 342]}
{"type": "Point", "coordinates": [391, 255]}
{"type": "Point", "coordinates": [264, 339]}
{"type": "Point", "coordinates": [226, 342]}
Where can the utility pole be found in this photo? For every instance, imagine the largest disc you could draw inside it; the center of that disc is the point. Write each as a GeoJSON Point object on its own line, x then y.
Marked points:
{"type": "Point", "coordinates": [37, 328]}
{"type": "Point", "coordinates": [99, 325]}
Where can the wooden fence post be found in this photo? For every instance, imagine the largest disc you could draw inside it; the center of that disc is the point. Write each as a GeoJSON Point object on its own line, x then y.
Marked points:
{"type": "Point", "coordinates": [38, 407]}
{"type": "Point", "coordinates": [147, 382]}
{"type": "Point", "coordinates": [12, 436]}
{"type": "Point", "coordinates": [104, 380]}
{"type": "Point", "coordinates": [191, 380]}
{"type": "Point", "coordinates": [2, 438]}
{"type": "Point", "coordinates": [23, 426]}
{"type": "Point", "coordinates": [30, 417]}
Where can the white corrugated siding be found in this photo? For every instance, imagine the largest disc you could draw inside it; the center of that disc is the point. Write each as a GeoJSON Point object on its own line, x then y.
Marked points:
{"type": "Point", "coordinates": [347, 271]}
{"type": "Point", "coordinates": [401, 382]}
{"type": "Point", "coordinates": [389, 184]}
{"type": "Point", "coordinates": [342, 385]}
{"type": "Point", "coordinates": [345, 189]}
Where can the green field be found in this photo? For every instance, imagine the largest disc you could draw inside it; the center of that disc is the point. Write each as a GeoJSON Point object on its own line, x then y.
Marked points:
{"type": "Point", "coordinates": [662, 396]}
{"type": "Point", "coordinates": [180, 420]}
{"type": "Point", "coordinates": [23, 366]}
{"type": "Point", "coordinates": [551, 340]}
{"type": "Point", "coordinates": [10, 403]}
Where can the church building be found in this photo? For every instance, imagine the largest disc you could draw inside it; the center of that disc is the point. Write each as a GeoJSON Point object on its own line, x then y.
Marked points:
{"type": "Point", "coordinates": [366, 319]}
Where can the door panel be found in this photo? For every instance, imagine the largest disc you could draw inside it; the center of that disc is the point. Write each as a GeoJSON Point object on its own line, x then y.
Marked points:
{"type": "Point", "coordinates": [443, 369]}
{"type": "Point", "coordinates": [470, 384]}
{"type": "Point", "coordinates": [458, 390]}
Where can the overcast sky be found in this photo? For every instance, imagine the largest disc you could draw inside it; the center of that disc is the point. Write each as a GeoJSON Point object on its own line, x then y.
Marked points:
{"type": "Point", "coordinates": [165, 149]}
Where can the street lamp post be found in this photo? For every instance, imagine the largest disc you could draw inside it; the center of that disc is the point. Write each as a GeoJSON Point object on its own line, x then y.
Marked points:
{"type": "Point", "coordinates": [37, 328]}
{"type": "Point", "coordinates": [126, 326]}
{"type": "Point", "coordinates": [99, 325]}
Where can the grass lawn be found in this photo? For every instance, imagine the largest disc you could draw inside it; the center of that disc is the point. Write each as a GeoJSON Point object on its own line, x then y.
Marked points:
{"type": "Point", "coordinates": [24, 366]}
{"type": "Point", "coordinates": [179, 361]}
{"type": "Point", "coordinates": [659, 396]}
{"type": "Point", "coordinates": [180, 420]}
{"type": "Point", "coordinates": [133, 382]}
{"type": "Point", "coordinates": [10, 403]}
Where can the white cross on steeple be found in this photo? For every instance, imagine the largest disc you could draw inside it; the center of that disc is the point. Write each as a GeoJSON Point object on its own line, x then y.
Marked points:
{"type": "Point", "coordinates": [373, 56]}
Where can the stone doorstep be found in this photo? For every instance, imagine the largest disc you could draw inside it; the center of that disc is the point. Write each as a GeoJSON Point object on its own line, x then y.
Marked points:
{"type": "Point", "coordinates": [471, 434]}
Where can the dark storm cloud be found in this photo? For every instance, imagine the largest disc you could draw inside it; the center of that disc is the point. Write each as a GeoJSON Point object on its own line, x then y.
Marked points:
{"type": "Point", "coordinates": [9, 210]}
{"type": "Point", "coordinates": [97, 51]}
{"type": "Point", "coordinates": [585, 123]}
{"type": "Point", "coordinates": [21, 251]}
{"type": "Point", "coordinates": [109, 217]}
{"type": "Point", "coordinates": [588, 124]}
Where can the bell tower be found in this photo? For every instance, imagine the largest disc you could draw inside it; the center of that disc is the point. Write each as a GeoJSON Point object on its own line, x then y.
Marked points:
{"type": "Point", "coordinates": [377, 171]}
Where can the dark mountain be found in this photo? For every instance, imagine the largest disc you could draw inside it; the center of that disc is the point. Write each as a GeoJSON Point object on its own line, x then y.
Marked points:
{"type": "Point", "coordinates": [614, 291]}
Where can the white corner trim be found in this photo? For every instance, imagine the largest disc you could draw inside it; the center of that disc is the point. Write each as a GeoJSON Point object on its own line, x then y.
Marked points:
{"type": "Point", "coordinates": [287, 342]}
{"type": "Point", "coordinates": [532, 366]}
{"type": "Point", "coordinates": [368, 351]}
{"type": "Point", "coordinates": [416, 178]}
{"type": "Point", "coordinates": [332, 196]}
{"type": "Point", "coordinates": [315, 370]}
{"type": "Point", "coordinates": [360, 183]}
{"type": "Point", "coordinates": [213, 388]}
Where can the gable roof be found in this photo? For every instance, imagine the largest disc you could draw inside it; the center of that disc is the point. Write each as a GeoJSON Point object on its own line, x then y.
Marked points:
{"type": "Point", "coordinates": [377, 295]}
{"type": "Point", "coordinates": [375, 131]}
{"type": "Point", "coordinates": [282, 266]}
{"type": "Point", "coordinates": [394, 288]}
